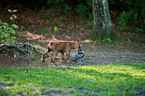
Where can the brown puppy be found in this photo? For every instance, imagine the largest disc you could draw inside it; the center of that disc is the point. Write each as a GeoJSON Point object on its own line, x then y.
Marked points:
{"type": "Point", "coordinates": [63, 47]}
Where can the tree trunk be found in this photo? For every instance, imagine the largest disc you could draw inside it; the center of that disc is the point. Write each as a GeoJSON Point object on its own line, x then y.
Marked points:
{"type": "Point", "coordinates": [102, 22]}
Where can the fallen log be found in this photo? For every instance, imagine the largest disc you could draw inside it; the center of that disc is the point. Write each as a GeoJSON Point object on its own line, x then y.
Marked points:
{"type": "Point", "coordinates": [23, 47]}
{"type": "Point", "coordinates": [10, 46]}
{"type": "Point", "coordinates": [28, 47]}
{"type": "Point", "coordinates": [39, 49]}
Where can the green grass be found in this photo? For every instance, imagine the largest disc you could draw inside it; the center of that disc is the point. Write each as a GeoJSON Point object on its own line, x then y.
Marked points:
{"type": "Point", "coordinates": [101, 80]}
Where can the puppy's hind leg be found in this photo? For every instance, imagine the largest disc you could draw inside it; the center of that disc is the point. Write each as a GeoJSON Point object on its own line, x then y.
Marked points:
{"type": "Point", "coordinates": [63, 58]}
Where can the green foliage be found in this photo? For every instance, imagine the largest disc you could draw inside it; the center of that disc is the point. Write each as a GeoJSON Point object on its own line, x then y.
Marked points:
{"type": "Point", "coordinates": [100, 80]}
{"type": "Point", "coordinates": [46, 30]}
{"type": "Point", "coordinates": [123, 20]}
{"type": "Point", "coordinates": [90, 19]}
{"type": "Point", "coordinates": [85, 10]}
{"type": "Point", "coordinates": [55, 10]}
{"type": "Point", "coordinates": [15, 26]}
{"type": "Point", "coordinates": [140, 30]}
{"type": "Point", "coordinates": [67, 8]}
{"type": "Point", "coordinates": [130, 42]}
{"type": "Point", "coordinates": [64, 18]}
{"type": "Point", "coordinates": [56, 29]}
{"type": "Point", "coordinates": [48, 17]}
{"type": "Point", "coordinates": [13, 16]}
{"type": "Point", "coordinates": [82, 10]}
{"type": "Point", "coordinates": [90, 23]}
{"type": "Point", "coordinates": [6, 30]}
{"type": "Point", "coordinates": [54, 2]}
{"type": "Point", "coordinates": [105, 41]}
{"type": "Point", "coordinates": [109, 40]}
{"type": "Point", "coordinates": [60, 20]}
{"type": "Point", "coordinates": [5, 33]}
{"type": "Point", "coordinates": [131, 14]}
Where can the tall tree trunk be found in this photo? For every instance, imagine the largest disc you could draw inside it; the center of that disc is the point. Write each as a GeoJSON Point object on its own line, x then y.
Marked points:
{"type": "Point", "coordinates": [102, 22]}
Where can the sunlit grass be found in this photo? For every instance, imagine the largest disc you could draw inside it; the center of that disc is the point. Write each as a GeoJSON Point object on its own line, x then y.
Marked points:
{"type": "Point", "coordinates": [111, 79]}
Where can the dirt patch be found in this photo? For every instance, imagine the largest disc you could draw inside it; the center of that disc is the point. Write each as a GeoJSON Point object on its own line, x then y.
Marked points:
{"type": "Point", "coordinates": [115, 54]}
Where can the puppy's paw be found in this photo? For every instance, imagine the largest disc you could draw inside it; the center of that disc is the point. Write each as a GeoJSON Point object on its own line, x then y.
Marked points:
{"type": "Point", "coordinates": [72, 62]}
{"type": "Point", "coordinates": [42, 61]}
{"type": "Point", "coordinates": [55, 64]}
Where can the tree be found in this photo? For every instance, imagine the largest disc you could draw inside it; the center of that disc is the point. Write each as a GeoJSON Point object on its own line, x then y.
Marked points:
{"type": "Point", "coordinates": [102, 22]}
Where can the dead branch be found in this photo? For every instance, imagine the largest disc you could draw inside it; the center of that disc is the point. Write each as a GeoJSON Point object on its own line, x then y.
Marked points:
{"type": "Point", "coordinates": [39, 49]}
{"type": "Point", "coordinates": [9, 46]}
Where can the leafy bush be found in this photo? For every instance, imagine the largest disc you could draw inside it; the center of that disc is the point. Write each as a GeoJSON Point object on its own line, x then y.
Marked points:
{"type": "Point", "coordinates": [90, 21]}
{"type": "Point", "coordinates": [123, 20]}
{"type": "Point", "coordinates": [67, 8]}
{"type": "Point", "coordinates": [7, 30]}
{"type": "Point", "coordinates": [56, 10]}
{"type": "Point", "coordinates": [131, 14]}
{"type": "Point", "coordinates": [54, 2]}
{"type": "Point", "coordinates": [140, 30]}
{"type": "Point", "coordinates": [82, 9]}
{"type": "Point", "coordinates": [46, 30]}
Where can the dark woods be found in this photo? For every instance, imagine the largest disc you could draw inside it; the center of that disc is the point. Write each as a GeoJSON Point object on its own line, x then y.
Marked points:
{"type": "Point", "coordinates": [127, 12]}
{"type": "Point", "coordinates": [127, 16]}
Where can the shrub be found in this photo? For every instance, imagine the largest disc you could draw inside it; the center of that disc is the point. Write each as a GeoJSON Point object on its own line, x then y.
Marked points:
{"type": "Point", "coordinates": [7, 30]}
{"type": "Point", "coordinates": [82, 9]}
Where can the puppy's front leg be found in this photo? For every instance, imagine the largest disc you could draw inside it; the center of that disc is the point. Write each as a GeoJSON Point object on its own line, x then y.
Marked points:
{"type": "Point", "coordinates": [68, 55]}
{"type": "Point", "coordinates": [54, 56]}
{"type": "Point", "coordinates": [44, 56]}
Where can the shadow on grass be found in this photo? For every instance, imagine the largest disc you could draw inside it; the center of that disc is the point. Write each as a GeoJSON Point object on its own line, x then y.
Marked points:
{"type": "Point", "coordinates": [2, 91]}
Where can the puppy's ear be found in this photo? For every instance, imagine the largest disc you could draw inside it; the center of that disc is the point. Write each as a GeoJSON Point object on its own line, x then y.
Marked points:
{"type": "Point", "coordinates": [76, 46]}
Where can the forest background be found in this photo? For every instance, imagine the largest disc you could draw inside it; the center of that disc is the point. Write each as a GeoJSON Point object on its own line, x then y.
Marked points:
{"type": "Point", "coordinates": [70, 20]}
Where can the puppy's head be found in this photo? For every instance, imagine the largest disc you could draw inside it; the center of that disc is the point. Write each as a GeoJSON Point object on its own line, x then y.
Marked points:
{"type": "Point", "coordinates": [77, 46]}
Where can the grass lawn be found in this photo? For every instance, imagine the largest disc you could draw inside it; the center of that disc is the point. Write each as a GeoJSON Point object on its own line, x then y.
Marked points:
{"type": "Point", "coordinates": [96, 80]}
